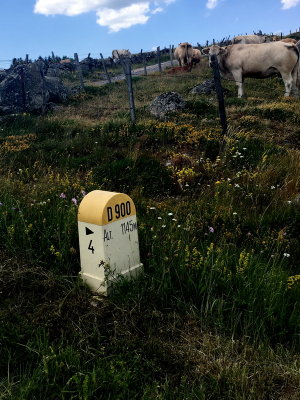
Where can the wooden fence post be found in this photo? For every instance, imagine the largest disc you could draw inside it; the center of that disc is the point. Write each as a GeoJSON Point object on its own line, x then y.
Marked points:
{"type": "Point", "coordinates": [220, 94]}
{"type": "Point", "coordinates": [144, 62]}
{"type": "Point", "coordinates": [171, 54]}
{"type": "Point", "coordinates": [105, 69]}
{"type": "Point", "coordinates": [158, 58]}
{"type": "Point", "coordinates": [79, 70]}
{"type": "Point", "coordinates": [126, 64]}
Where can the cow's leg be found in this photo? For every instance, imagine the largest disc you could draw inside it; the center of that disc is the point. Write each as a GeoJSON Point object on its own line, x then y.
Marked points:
{"type": "Point", "coordinates": [295, 90]}
{"type": "Point", "coordinates": [238, 78]}
{"type": "Point", "coordinates": [288, 83]}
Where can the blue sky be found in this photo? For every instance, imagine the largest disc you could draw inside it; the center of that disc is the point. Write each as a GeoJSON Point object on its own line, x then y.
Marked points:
{"type": "Point", "coordinates": [38, 27]}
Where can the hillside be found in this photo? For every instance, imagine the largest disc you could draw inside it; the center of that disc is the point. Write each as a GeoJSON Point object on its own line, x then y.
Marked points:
{"type": "Point", "coordinates": [216, 313]}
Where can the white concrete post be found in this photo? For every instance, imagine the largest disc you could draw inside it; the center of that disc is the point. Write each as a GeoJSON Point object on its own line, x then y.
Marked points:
{"type": "Point", "coordinates": [108, 239]}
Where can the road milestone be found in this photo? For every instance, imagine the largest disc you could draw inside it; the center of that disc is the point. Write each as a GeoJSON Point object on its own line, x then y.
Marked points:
{"type": "Point", "coordinates": [108, 239]}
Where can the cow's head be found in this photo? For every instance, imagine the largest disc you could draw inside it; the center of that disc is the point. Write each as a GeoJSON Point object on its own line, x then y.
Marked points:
{"type": "Point", "coordinates": [214, 50]}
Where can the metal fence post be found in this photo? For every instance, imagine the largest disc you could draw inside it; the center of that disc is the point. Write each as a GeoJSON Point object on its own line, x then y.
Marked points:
{"type": "Point", "coordinates": [220, 94]}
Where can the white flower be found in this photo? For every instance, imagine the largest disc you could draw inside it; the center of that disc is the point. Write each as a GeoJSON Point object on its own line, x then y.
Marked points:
{"type": "Point", "coordinates": [159, 217]}
{"type": "Point", "coordinates": [286, 255]}
{"type": "Point", "coordinates": [234, 213]}
{"type": "Point", "coordinates": [170, 214]}
{"type": "Point", "coordinates": [163, 226]}
{"type": "Point", "coordinates": [272, 187]}
{"type": "Point", "coordinates": [152, 208]}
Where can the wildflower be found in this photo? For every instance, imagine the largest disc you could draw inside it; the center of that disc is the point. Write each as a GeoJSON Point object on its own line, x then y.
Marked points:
{"type": "Point", "coordinates": [174, 219]}
{"type": "Point", "coordinates": [74, 201]}
{"type": "Point", "coordinates": [163, 226]}
{"type": "Point", "coordinates": [152, 208]}
{"type": "Point", "coordinates": [178, 226]}
{"type": "Point", "coordinates": [211, 229]}
{"type": "Point", "coordinates": [286, 255]}
{"type": "Point", "coordinates": [1, 204]}
{"type": "Point", "coordinates": [218, 182]}
{"type": "Point", "coordinates": [187, 185]}
{"type": "Point", "coordinates": [159, 217]}
{"type": "Point", "coordinates": [170, 214]}
{"type": "Point", "coordinates": [236, 185]}
{"type": "Point", "coordinates": [83, 193]}
{"type": "Point", "coordinates": [234, 213]}
{"type": "Point", "coordinates": [62, 196]}
{"type": "Point", "coordinates": [289, 202]}
{"type": "Point", "coordinates": [292, 280]}
{"type": "Point", "coordinates": [272, 187]}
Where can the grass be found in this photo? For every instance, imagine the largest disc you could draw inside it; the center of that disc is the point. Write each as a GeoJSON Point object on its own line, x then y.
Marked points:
{"type": "Point", "coordinates": [216, 313]}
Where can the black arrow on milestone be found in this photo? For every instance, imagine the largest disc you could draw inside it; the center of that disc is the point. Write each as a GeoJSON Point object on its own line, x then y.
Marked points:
{"type": "Point", "coordinates": [88, 231]}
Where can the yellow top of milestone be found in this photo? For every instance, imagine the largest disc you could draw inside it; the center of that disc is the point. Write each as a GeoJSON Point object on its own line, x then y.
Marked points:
{"type": "Point", "coordinates": [101, 208]}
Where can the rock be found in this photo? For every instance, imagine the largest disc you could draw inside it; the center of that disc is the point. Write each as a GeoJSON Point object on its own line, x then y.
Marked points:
{"type": "Point", "coordinates": [23, 90]}
{"type": "Point", "coordinates": [166, 103]}
{"type": "Point", "coordinates": [3, 74]}
{"type": "Point", "coordinates": [206, 87]}
{"type": "Point", "coordinates": [26, 89]}
{"type": "Point", "coordinates": [57, 91]}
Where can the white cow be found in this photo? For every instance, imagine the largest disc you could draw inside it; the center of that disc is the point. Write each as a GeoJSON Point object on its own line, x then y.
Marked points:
{"type": "Point", "coordinates": [184, 53]}
{"type": "Point", "coordinates": [249, 39]}
{"type": "Point", "coordinates": [116, 54]}
{"type": "Point", "coordinates": [238, 61]}
{"type": "Point", "coordinates": [196, 57]}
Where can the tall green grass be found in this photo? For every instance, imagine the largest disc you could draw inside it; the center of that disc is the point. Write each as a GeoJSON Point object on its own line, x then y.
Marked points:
{"type": "Point", "coordinates": [215, 315]}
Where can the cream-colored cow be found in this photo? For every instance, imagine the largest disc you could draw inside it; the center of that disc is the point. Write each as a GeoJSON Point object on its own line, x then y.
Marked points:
{"type": "Point", "coordinates": [196, 57]}
{"type": "Point", "coordinates": [184, 53]}
{"type": "Point", "coordinates": [239, 61]}
{"type": "Point", "coordinates": [249, 39]}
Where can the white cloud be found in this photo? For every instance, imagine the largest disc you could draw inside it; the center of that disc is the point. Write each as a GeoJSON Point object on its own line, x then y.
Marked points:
{"type": "Point", "coordinates": [289, 3]}
{"type": "Point", "coordinates": [115, 14]}
{"type": "Point", "coordinates": [212, 3]}
{"type": "Point", "coordinates": [124, 17]}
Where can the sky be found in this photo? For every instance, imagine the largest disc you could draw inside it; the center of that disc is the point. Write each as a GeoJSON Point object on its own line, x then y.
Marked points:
{"type": "Point", "coordinates": [38, 27]}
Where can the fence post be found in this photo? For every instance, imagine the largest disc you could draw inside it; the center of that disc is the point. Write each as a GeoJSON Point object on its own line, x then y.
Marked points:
{"type": "Point", "coordinates": [105, 69]}
{"type": "Point", "coordinates": [126, 64]}
{"type": "Point", "coordinates": [144, 62]}
{"type": "Point", "coordinates": [79, 70]}
{"type": "Point", "coordinates": [171, 55]}
{"type": "Point", "coordinates": [158, 58]}
{"type": "Point", "coordinates": [220, 94]}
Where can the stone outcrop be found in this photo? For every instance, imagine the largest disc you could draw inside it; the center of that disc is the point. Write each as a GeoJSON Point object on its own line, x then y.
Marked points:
{"type": "Point", "coordinates": [166, 103]}
{"type": "Point", "coordinates": [24, 88]}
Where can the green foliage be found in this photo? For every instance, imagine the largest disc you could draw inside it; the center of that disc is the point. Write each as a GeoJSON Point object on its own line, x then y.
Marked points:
{"type": "Point", "coordinates": [216, 312]}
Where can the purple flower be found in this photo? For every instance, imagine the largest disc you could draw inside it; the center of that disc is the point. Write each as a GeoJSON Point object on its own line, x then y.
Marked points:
{"type": "Point", "coordinates": [74, 201]}
{"type": "Point", "coordinates": [211, 229]}
{"type": "Point", "coordinates": [83, 193]}
{"type": "Point", "coordinates": [62, 196]}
